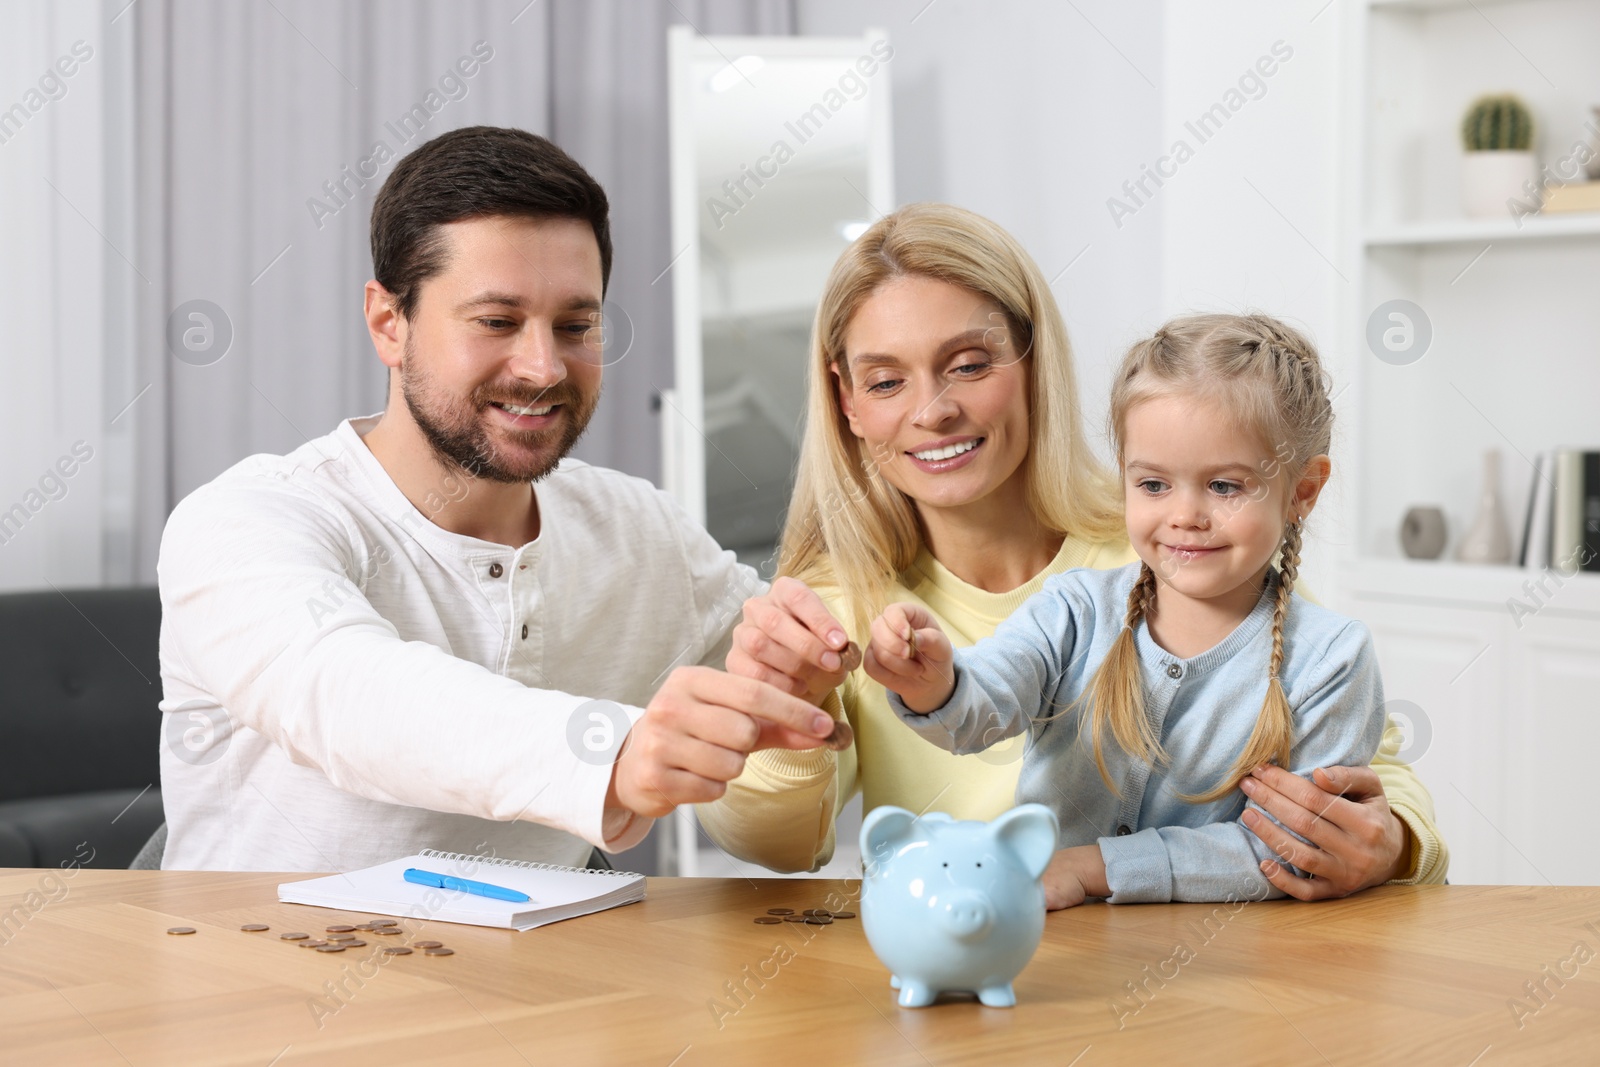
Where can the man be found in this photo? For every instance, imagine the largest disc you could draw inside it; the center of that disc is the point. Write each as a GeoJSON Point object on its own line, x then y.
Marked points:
{"type": "Point", "coordinates": [429, 628]}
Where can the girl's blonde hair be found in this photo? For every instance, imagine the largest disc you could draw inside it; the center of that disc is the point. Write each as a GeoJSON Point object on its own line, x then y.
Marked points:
{"type": "Point", "coordinates": [846, 524]}
{"type": "Point", "coordinates": [1268, 379]}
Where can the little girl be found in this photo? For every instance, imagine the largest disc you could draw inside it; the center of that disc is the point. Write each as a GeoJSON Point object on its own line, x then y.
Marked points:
{"type": "Point", "coordinates": [1151, 693]}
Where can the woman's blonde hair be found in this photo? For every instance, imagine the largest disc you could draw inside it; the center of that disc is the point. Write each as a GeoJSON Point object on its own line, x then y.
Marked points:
{"type": "Point", "coordinates": [846, 524]}
{"type": "Point", "coordinates": [1268, 379]}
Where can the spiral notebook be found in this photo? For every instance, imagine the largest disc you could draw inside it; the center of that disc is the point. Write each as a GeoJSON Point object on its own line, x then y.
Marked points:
{"type": "Point", "coordinates": [556, 892]}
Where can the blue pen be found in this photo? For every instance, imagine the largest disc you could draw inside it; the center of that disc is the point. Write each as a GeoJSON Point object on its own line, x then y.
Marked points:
{"type": "Point", "coordinates": [465, 885]}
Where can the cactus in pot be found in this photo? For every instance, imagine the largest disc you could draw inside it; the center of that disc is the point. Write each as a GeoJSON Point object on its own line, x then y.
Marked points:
{"type": "Point", "coordinates": [1497, 133]}
{"type": "Point", "coordinates": [1497, 123]}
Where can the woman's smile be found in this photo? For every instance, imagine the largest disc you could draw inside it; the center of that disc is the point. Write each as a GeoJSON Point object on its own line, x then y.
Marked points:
{"type": "Point", "coordinates": [945, 454]}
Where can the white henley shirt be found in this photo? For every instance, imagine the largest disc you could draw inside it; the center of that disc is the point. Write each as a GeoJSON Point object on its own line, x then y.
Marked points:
{"type": "Point", "coordinates": [347, 683]}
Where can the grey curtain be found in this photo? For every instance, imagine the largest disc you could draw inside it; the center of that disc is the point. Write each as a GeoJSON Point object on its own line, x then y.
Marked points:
{"type": "Point", "coordinates": [263, 130]}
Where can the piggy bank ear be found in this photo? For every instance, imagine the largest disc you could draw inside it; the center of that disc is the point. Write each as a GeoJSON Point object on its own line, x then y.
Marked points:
{"type": "Point", "coordinates": [1031, 832]}
{"type": "Point", "coordinates": [882, 829]}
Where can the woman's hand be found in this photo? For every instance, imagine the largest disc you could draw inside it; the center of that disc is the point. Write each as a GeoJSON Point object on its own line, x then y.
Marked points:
{"type": "Point", "coordinates": [911, 657]}
{"type": "Point", "coordinates": [1356, 841]}
{"type": "Point", "coordinates": [1074, 875]}
{"type": "Point", "coordinates": [790, 640]}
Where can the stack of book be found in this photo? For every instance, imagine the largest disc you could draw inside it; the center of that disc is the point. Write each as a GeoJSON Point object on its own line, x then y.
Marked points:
{"type": "Point", "coordinates": [1572, 197]}
{"type": "Point", "coordinates": [1562, 527]}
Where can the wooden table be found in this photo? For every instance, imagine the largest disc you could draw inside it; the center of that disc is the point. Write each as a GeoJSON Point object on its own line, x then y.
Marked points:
{"type": "Point", "coordinates": [88, 975]}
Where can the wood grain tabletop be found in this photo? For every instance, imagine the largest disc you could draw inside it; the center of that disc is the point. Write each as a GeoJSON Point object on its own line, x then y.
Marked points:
{"type": "Point", "coordinates": [1465, 975]}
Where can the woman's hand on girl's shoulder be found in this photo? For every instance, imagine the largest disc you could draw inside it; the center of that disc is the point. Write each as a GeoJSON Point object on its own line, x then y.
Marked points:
{"type": "Point", "coordinates": [790, 640]}
{"type": "Point", "coordinates": [911, 657]}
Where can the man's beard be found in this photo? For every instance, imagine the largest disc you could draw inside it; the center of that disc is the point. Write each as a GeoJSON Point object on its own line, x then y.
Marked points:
{"type": "Point", "coordinates": [456, 429]}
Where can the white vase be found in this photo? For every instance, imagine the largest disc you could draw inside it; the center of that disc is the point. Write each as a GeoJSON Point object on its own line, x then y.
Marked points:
{"type": "Point", "coordinates": [1489, 179]}
{"type": "Point", "coordinates": [1488, 540]}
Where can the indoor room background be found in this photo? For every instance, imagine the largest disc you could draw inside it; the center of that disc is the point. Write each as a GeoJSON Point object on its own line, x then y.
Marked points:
{"type": "Point", "coordinates": [1300, 158]}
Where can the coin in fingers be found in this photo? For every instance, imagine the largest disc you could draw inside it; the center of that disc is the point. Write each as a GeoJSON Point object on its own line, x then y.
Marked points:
{"type": "Point", "coordinates": [841, 736]}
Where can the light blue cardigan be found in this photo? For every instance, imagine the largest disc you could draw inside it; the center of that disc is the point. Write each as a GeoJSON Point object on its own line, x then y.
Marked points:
{"type": "Point", "coordinates": [1157, 847]}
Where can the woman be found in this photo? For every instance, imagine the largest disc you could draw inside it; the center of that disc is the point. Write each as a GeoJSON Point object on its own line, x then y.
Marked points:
{"type": "Point", "coordinates": [944, 463]}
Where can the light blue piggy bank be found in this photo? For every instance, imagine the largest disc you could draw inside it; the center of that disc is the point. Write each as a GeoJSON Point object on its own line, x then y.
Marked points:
{"type": "Point", "coordinates": [954, 906]}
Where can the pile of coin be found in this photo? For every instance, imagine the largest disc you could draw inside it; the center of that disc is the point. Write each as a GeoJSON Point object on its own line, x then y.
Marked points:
{"type": "Point", "coordinates": [342, 936]}
{"type": "Point", "coordinates": [810, 916]}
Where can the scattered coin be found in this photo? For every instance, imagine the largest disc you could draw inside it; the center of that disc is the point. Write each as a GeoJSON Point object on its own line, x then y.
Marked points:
{"type": "Point", "coordinates": [427, 944]}
{"type": "Point", "coordinates": [396, 950]}
{"type": "Point", "coordinates": [180, 930]}
{"type": "Point", "coordinates": [340, 929]}
{"type": "Point", "coordinates": [357, 943]}
{"type": "Point", "coordinates": [814, 916]}
{"type": "Point", "coordinates": [330, 948]}
{"type": "Point", "coordinates": [384, 931]}
{"type": "Point", "coordinates": [341, 937]}
{"type": "Point", "coordinates": [293, 937]}
{"type": "Point", "coordinates": [254, 928]}
{"type": "Point", "coordinates": [768, 920]}
{"type": "Point", "coordinates": [441, 951]}
{"type": "Point", "coordinates": [383, 922]}
{"type": "Point", "coordinates": [314, 944]}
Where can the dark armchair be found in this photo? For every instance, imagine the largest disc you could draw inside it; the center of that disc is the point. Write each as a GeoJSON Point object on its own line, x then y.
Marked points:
{"type": "Point", "coordinates": [79, 726]}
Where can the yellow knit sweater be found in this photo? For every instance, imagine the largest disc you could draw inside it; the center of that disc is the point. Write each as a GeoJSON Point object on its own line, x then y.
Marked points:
{"type": "Point", "coordinates": [781, 811]}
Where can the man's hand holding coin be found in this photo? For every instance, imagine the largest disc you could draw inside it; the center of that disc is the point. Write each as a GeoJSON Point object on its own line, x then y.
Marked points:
{"type": "Point", "coordinates": [695, 734]}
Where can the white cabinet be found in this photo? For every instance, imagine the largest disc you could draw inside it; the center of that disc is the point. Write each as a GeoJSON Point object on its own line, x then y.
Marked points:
{"type": "Point", "coordinates": [1445, 670]}
{"type": "Point", "coordinates": [1553, 701]}
{"type": "Point", "coordinates": [1506, 728]}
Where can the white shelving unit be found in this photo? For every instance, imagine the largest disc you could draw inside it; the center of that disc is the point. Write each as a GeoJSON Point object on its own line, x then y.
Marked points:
{"type": "Point", "coordinates": [1509, 701]}
{"type": "Point", "coordinates": [1480, 231]}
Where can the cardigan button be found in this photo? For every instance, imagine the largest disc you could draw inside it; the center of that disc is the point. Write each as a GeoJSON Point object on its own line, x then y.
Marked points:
{"type": "Point", "coordinates": [495, 570]}
{"type": "Point", "coordinates": [1124, 830]}
{"type": "Point", "coordinates": [524, 631]}
{"type": "Point", "coordinates": [1174, 671]}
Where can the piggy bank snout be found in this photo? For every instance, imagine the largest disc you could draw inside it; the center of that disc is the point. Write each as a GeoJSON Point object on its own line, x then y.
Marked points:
{"type": "Point", "coordinates": [968, 914]}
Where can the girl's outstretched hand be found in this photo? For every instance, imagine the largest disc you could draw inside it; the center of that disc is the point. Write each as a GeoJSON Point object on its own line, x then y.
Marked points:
{"type": "Point", "coordinates": [910, 656]}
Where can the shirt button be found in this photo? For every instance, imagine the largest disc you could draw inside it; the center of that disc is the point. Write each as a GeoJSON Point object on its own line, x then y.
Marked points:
{"type": "Point", "coordinates": [495, 570]}
{"type": "Point", "coordinates": [524, 631]}
{"type": "Point", "coordinates": [1174, 671]}
{"type": "Point", "coordinates": [1124, 830]}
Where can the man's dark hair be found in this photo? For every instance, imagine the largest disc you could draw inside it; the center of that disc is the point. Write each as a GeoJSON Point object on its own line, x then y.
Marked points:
{"type": "Point", "coordinates": [470, 173]}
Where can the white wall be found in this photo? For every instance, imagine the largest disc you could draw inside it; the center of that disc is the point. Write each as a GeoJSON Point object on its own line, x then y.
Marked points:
{"type": "Point", "coordinates": [1033, 114]}
{"type": "Point", "coordinates": [54, 256]}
